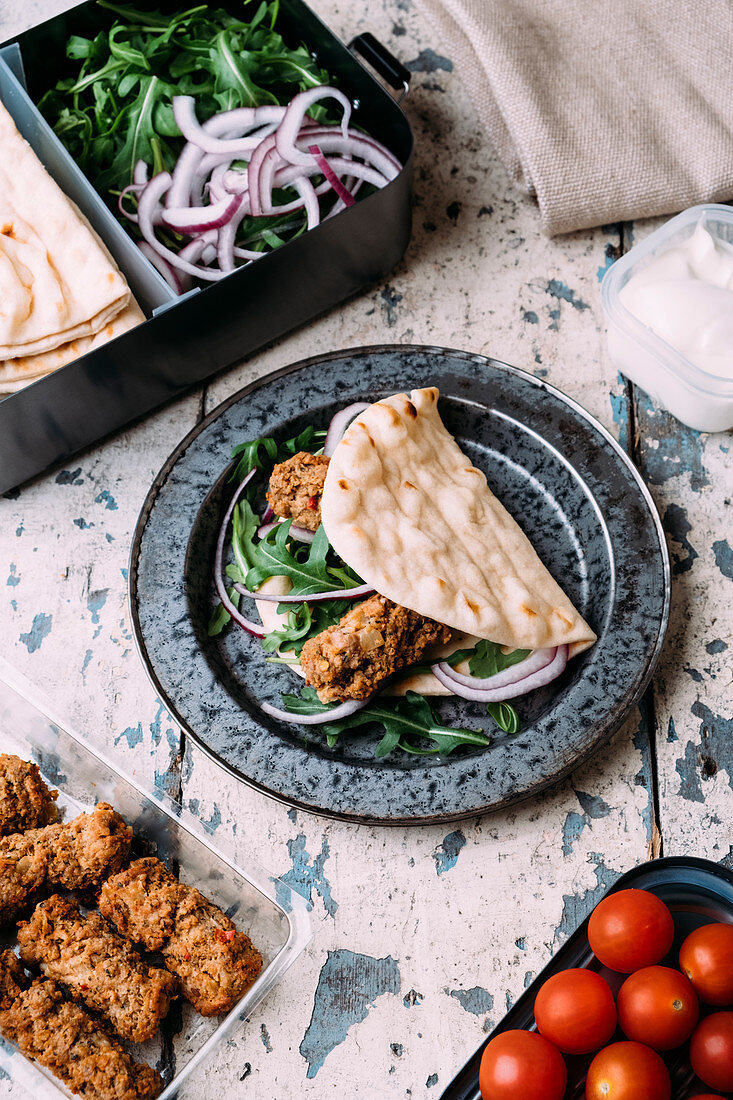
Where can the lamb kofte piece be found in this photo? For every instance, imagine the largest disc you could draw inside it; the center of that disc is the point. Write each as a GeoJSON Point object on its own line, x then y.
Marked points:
{"type": "Point", "coordinates": [214, 962]}
{"type": "Point", "coordinates": [97, 966]}
{"type": "Point", "coordinates": [64, 1038]}
{"type": "Point", "coordinates": [354, 658]}
{"type": "Point", "coordinates": [25, 800]}
{"type": "Point", "coordinates": [76, 855]}
{"type": "Point", "coordinates": [296, 488]}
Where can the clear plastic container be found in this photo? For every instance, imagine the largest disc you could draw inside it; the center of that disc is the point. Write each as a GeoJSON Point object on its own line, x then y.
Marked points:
{"type": "Point", "coordinates": [275, 918]}
{"type": "Point", "coordinates": [699, 399]}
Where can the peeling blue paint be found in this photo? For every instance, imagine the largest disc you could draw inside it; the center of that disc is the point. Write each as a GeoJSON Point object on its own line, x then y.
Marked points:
{"type": "Point", "coordinates": [610, 255]}
{"type": "Point", "coordinates": [133, 735]}
{"type": "Point", "coordinates": [69, 477]}
{"type": "Point", "coordinates": [293, 816]}
{"type": "Point", "coordinates": [687, 769]}
{"type": "Point", "coordinates": [557, 289]}
{"type": "Point", "coordinates": [14, 578]}
{"type": "Point", "coordinates": [554, 325]}
{"type": "Point", "coordinates": [530, 317]}
{"type": "Point", "coordinates": [106, 498]}
{"type": "Point", "coordinates": [396, 1049]}
{"type": "Point", "coordinates": [390, 299]}
{"type": "Point", "coordinates": [40, 629]}
{"type": "Point", "coordinates": [432, 1080]}
{"type": "Point", "coordinates": [724, 558]}
{"type": "Point", "coordinates": [521, 943]}
{"type": "Point", "coordinates": [716, 646]}
{"type": "Point", "coordinates": [428, 61]}
{"type": "Point", "coordinates": [265, 1037]}
{"type": "Point", "coordinates": [620, 413]}
{"type": "Point", "coordinates": [82, 524]}
{"type": "Point", "coordinates": [576, 907]}
{"type": "Point", "coordinates": [676, 449]}
{"type": "Point", "coordinates": [306, 876]}
{"type": "Point", "coordinates": [529, 977]}
{"type": "Point", "coordinates": [19, 529]}
{"type": "Point", "coordinates": [696, 676]}
{"type": "Point", "coordinates": [446, 854]}
{"type": "Point", "coordinates": [671, 731]}
{"type": "Point", "coordinates": [678, 527]}
{"type": "Point", "coordinates": [85, 665]}
{"type": "Point", "coordinates": [213, 822]}
{"type": "Point", "coordinates": [477, 1000]}
{"type": "Point", "coordinates": [594, 807]}
{"type": "Point", "coordinates": [96, 601]}
{"type": "Point", "coordinates": [413, 998]}
{"type": "Point", "coordinates": [348, 987]}
{"type": "Point", "coordinates": [14, 605]}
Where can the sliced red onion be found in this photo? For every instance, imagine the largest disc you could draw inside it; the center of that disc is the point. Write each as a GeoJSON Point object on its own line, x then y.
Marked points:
{"type": "Point", "coordinates": [354, 144]}
{"type": "Point", "coordinates": [140, 174]}
{"type": "Point", "coordinates": [184, 112]}
{"type": "Point", "coordinates": [312, 597]}
{"type": "Point", "coordinates": [169, 274]}
{"type": "Point", "coordinates": [307, 192]}
{"type": "Point", "coordinates": [333, 715]}
{"type": "Point", "coordinates": [131, 189]}
{"type": "Point", "coordinates": [353, 189]}
{"type": "Point", "coordinates": [340, 423]}
{"type": "Point", "coordinates": [198, 219]}
{"type": "Point", "coordinates": [533, 662]}
{"type": "Point", "coordinates": [302, 534]}
{"type": "Point", "coordinates": [253, 173]}
{"type": "Point", "coordinates": [256, 629]}
{"type": "Point", "coordinates": [346, 197]}
{"type": "Point", "coordinates": [292, 122]}
{"type": "Point", "coordinates": [537, 679]}
{"type": "Point", "coordinates": [148, 207]}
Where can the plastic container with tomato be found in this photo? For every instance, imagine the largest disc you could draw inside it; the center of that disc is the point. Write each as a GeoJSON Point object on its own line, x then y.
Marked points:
{"type": "Point", "coordinates": [697, 892]}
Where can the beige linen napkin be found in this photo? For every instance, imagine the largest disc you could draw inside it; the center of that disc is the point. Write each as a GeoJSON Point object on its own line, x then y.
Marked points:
{"type": "Point", "coordinates": [606, 110]}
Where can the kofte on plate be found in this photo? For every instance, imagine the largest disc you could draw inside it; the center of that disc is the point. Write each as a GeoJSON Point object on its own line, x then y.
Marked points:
{"type": "Point", "coordinates": [25, 800]}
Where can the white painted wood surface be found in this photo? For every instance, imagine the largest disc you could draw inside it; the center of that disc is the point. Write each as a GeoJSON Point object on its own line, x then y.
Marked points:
{"type": "Point", "coordinates": [423, 936]}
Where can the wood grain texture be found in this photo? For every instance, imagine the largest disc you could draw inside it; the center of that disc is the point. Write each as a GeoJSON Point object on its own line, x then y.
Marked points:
{"type": "Point", "coordinates": [423, 936]}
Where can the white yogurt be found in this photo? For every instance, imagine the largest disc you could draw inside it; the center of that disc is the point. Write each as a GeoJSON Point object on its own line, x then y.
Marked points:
{"type": "Point", "coordinates": [685, 295]}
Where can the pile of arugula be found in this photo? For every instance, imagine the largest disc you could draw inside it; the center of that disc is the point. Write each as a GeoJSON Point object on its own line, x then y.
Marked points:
{"type": "Point", "coordinates": [409, 723]}
{"type": "Point", "coordinates": [118, 108]}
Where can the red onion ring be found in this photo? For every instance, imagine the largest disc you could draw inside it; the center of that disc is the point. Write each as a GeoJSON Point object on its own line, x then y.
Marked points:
{"type": "Point", "coordinates": [346, 197]}
{"type": "Point", "coordinates": [302, 534]}
{"type": "Point", "coordinates": [255, 629]}
{"type": "Point", "coordinates": [292, 121]}
{"type": "Point", "coordinates": [169, 273]}
{"type": "Point", "coordinates": [312, 597]}
{"type": "Point", "coordinates": [200, 218]}
{"type": "Point", "coordinates": [529, 683]}
{"type": "Point", "coordinates": [140, 174]}
{"type": "Point", "coordinates": [333, 715]}
{"type": "Point", "coordinates": [340, 423]}
{"type": "Point", "coordinates": [533, 662]}
{"type": "Point", "coordinates": [184, 112]}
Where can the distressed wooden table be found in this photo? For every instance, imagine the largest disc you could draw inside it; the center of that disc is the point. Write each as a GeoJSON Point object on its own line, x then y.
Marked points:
{"type": "Point", "coordinates": [423, 937]}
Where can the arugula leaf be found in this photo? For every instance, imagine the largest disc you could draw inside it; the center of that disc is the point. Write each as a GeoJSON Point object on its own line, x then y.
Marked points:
{"type": "Point", "coordinates": [406, 722]}
{"type": "Point", "coordinates": [306, 566]}
{"type": "Point", "coordinates": [488, 659]}
{"type": "Point", "coordinates": [505, 716]}
{"type": "Point", "coordinates": [220, 616]}
{"type": "Point", "coordinates": [304, 622]}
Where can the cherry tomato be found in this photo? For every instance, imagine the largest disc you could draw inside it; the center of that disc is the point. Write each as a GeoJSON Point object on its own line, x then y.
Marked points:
{"type": "Point", "coordinates": [706, 957]}
{"type": "Point", "coordinates": [574, 1010]}
{"type": "Point", "coordinates": [627, 1071]}
{"type": "Point", "coordinates": [658, 1006]}
{"type": "Point", "coordinates": [521, 1065]}
{"type": "Point", "coordinates": [711, 1051]}
{"type": "Point", "coordinates": [630, 929]}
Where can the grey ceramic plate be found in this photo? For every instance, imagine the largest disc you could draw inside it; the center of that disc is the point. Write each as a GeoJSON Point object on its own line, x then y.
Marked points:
{"type": "Point", "coordinates": [559, 473]}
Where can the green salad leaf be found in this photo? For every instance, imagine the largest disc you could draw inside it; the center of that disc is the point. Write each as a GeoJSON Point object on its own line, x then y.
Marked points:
{"type": "Point", "coordinates": [304, 622]}
{"type": "Point", "coordinates": [484, 660]}
{"type": "Point", "coordinates": [407, 723]}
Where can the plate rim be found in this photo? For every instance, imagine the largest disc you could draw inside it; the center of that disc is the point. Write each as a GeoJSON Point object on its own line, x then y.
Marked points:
{"type": "Point", "coordinates": [377, 349]}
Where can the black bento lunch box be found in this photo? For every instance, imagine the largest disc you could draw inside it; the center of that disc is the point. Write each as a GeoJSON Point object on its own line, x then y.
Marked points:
{"type": "Point", "coordinates": [186, 339]}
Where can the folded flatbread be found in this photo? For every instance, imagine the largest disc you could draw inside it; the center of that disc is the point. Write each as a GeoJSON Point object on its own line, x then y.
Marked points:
{"type": "Point", "coordinates": [57, 281]}
{"type": "Point", "coordinates": [407, 510]}
{"type": "Point", "coordinates": [17, 373]}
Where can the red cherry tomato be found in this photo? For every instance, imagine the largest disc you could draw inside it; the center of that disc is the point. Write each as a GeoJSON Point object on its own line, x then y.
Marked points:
{"type": "Point", "coordinates": [630, 929]}
{"type": "Point", "coordinates": [627, 1071]}
{"type": "Point", "coordinates": [657, 1006]}
{"type": "Point", "coordinates": [521, 1065]}
{"type": "Point", "coordinates": [706, 957]}
{"type": "Point", "coordinates": [574, 1010]}
{"type": "Point", "coordinates": [711, 1051]}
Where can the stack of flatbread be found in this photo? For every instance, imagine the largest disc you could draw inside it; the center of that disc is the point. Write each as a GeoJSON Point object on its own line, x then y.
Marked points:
{"type": "Point", "coordinates": [61, 293]}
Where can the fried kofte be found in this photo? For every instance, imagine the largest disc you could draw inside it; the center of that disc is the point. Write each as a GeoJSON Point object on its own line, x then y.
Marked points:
{"type": "Point", "coordinates": [296, 487]}
{"type": "Point", "coordinates": [377, 638]}
{"type": "Point", "coordinates": [97, 966]}
{"type": "Point", "coordinates": [214, 962]}
{"type": "Point", "coordinates": [76, 855]}
{"type": "Point", "coordinates": [64, 1038]}
{"type": "Point", "coordinates": [25, 800]}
